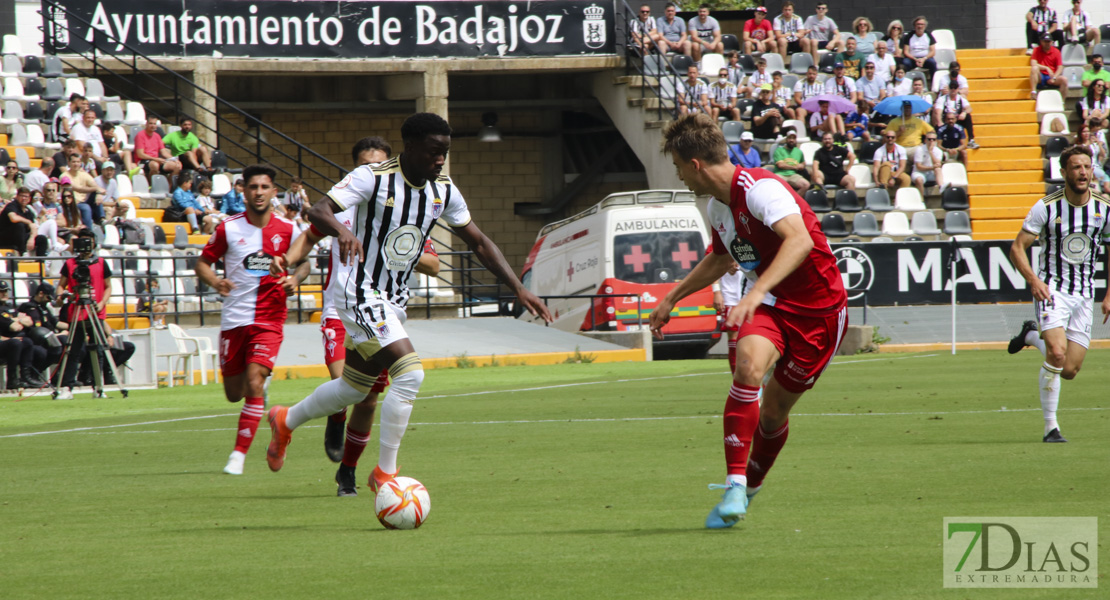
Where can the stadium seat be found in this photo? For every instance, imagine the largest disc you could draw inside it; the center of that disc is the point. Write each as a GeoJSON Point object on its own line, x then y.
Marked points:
{"type": "Point", "coordinates": [219, 162]}
{"type": "Point", "coordinates": [847, 201]}
{"type": "Point", "coordinates": [13, 90]}
{"type": "Point", "coordinates": [123, 137]}
{"type": "Point", "coordinates": [774, 62]}
{"type": "Point", "coordinates": [744, 105]}
{"type": "Point", "coordinates": [10, 67]}
{"type": "Point", "coordinates": [32, 113]}
{"type": "Point", "coordinates": [954, 174]}
{"type": "Point", "coordinates": [123, 185]}
{"type": "Point", "coordinates": [94, 91]}
{"type": "Point", "coordinates": [833, 225]}
{"type": "Point", "coordinates": [748, 62]}
{"type": "Point", "coordinates": [956, 222]}
{"type": "Point", "coordinates": [136, 115]}
{"type": "Point", "coordinates": [17, 135]}
{"type": "Point", "coordinates": [1055, 146]}
{"type": "Point", "coordinates": [865, 225]}
{"type": "Point", "coordinates": [48, 113]}
{"type": "Point", "coordinates": [732, 131]}
{"type": "Point", "coordinates": [22, 159]}
{"type": "Point", "coordinates": [1074, 55]}
{"type": "Point", "coordinates": [730, 42]}
{"type": "Point", "coordinates": [681, 63]}
{"type": "Point", "coordinates": [823, 77]}
{"type": "Point", "coordinates": [867, 151]}
{"type": "Point", "coordinates": [827, 62]}
{"type": "Point", "coordinates": [160, 186]}
{"type": "Point", "coordinates": [113, 113]}
{"type": "Point", "coordinates": [799, 128]}
{"type": "Point", "coordinates": [180, 237]}
{"type": "Point", "coordinates": [37, 139]}
{"type": "Point", "coordinates": [1053, 188]}
{"type": "Point", "coordinates": [954, 198]}
{"type": "Point", "coordinates": [13, 113]}
{"type": "Point", "coordinates": [944, 57]}
{"type": "Point", "coordinates": [862, 173]}
{"type": "Point", "coordinates": [1048, 119]}
{"type": "Point", "coordinates": [919, 74]}
{"type": "Point", "coordinates": [895, 224]}
{"type": "Point", "coordinates": [53, 67]}
{"type": "Point", "coordinates": [654, 66]}
{"type": "Point", "coordinates": [97, 109]}
{"type": "Point", "coordinates": [1074, 75]}
{"type": "Point", "coordinates": [925, 223]}
{"type": "Point", "coordinates": [666, 92]}
{"type": "Point", "coordinates": [12, 45]}
{"type": "Point", "coordinates": [800, 62]}
{"type": "Point", "coordinates": [945, 38]}
{"type": "Point", "coordinates": [789, 80]}
{"type": "Point", "coordinates": [712, 63]}
{"type": "Point", "coordinates": [74, 86]}
{"type": "Point", "coordinates": [111, 236]}
{"type": "Point", "coordinates": [1103, 49]}
{"type": "Point", "coordinates": [1049, 101]}
{"type": "Point", "coordinates": [221, 185]}
{"type": "Point", "coordinates": [882, 239]}
{"type": "Point", "coordinates": [808, 150]}
{"type": "Point", "coordinates": [908, 199]}
{"type": "Point", "coordinates": [1053, 172]}
{"type": "Point", "coordinates": [33, 88]}
{"type": "Point", "coordinates": [140, 187]}
{"type": "Point", "coordinates": [1104, 31]}
{"type": "Point", "coordinates": [817, 200]}
{"type": "Point", "coordinates": [55, 90]}
{"type": "Point", "coordinates": [878, 200]}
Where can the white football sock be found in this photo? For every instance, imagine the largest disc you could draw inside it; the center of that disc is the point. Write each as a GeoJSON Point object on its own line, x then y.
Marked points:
{"type": "Point", "coordinates": [735, 480]}
{"type": "Point", "coordinates": [323, 401]}
{"type": "Point", "coordinates": [1033, 338]}
{"type": "Point", "coordinates": [1050, 395]}
{"type": "Point", "coordinates": [396, 408]}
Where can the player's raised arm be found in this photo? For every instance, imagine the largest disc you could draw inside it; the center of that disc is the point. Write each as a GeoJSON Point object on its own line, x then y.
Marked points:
{"type": "Point", "coordinates": [492, 258]}
{"type": "Point", "coordinates": [322, 216]}
{"type": "Point", "coordinates": [296, 254]}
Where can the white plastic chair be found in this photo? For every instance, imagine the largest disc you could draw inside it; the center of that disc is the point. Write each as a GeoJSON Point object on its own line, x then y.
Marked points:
{"type": "Point", "coordinates": [799, 127]}
{"type": "Point", "coordinates": [1074, 55]}
{"type": "Point", "coordinates": [924, 223]}
{"type": "Point", "coordinates": [140, 187]}
{"type": "Point", "coordinates": [123, 184]}
{"type": "Point", "coordinates": [954, 174]}
{"type": "Point", "coordinates": [13, 90]}
{"type": "Point", "coordinates": [774, 62]}
{"type": "Point", "coordinates": [74, 86]}
{"type": "Point", "coordinates": [12, 45]}
{"type": "Point", "coordinates": [945, 38]}
{"type": "Point", "coordinates": [17, 135]}
{"type": "Point", "coordinates": [1047, 120]}
{"type": "Point", "coordinates": [862, 173]}
{"type": "Point", "coordinates": [201, 349]}
{"type": "Point", "coordinates": [94, 91]}
{"type": "Point", "coordinates": [136, 114]}
{"type": "Point", "coordinates": [908, 199]}
{"type": "Point", "coordinates": [895, 224]}
{"type": "Point", "coordinates": [712, 63]}
{"type": "Point", "coordinates": [221, 185]}
{"type": "Point", "coordinates": [11, 66]}
{"type": "Point", "coordinates": [37, 139]}
{"type": "Point", "coordinates": [13, 113]}
{"type": "Point", "coordinates": [1049, 101]}
{"type": "Point", "coordinates": [808, 150]}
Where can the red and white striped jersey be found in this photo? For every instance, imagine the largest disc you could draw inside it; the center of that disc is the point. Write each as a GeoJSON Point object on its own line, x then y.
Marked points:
{"type": "Point", "coordinates": [247, 251]}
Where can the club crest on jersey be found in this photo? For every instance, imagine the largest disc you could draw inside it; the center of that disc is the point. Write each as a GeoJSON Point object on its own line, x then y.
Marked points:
{"type": "Point", "coordinates": [437, 208]}
{"type": "Point", "coordinates": [743, 220]}
{"type": "Point", "coordinates": [744, 253]}
{"type": "Point", "coordinates": [276, 241]}
{"type": "Point", "coordinates": [258, 263]}
{"type": "Point", "coordinates": [382, 329]}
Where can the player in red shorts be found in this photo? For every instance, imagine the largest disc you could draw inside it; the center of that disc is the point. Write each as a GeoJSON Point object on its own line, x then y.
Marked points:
{"type": "Point", "coordinates": [791, 320]}
{"type": "Point", "coordinates": [254, 310]}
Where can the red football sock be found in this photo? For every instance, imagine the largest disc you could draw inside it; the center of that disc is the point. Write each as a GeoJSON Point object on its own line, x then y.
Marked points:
{"type": "Point", "coordinates": [741, 419]}
{"type": "Point", "coordinates": [732, 356]}
{"type": "Point", "coordinates": [353, 447]}
{"type": "Point", "coordinates": [340, 417]}
{"type": "Point", "coordinates": [765, 449]}
{"type": "Point", "coordinates": [249, 417]}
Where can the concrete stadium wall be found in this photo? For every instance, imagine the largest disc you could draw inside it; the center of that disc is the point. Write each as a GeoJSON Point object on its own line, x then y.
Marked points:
{"type": "Point", "coordinates": [1006, 19]}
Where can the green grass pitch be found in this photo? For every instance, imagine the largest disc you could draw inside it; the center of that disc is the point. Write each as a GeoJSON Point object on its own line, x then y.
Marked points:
{"type": "Point", "coordinates": [569, 481]}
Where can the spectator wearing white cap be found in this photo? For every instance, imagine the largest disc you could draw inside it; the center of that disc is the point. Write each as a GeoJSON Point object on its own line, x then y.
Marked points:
{"type": "Point", "coordinates": [758, 34]}
{"type": "Point", "coordinates": [744, 154]}
{"type": "Point", "coordinates": [766, 115]}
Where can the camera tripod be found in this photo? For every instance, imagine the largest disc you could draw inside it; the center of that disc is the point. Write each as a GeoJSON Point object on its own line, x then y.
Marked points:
{"type": "Point", "coordinates": [98, 346]}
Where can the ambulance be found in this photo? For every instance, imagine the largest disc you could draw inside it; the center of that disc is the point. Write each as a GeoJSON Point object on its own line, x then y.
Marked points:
{"type": "Point", "coordinates": [635, 244]}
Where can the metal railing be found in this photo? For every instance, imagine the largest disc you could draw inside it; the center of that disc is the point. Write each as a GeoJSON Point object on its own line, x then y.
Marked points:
{"type": "Point", "coordinates": [631, 53]}
{"type": "Point", "coordinates": [101, 52]}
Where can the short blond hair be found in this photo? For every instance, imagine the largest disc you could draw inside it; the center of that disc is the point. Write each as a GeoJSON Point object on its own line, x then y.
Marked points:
{"type": "Point", "coordinates": [695, 136]}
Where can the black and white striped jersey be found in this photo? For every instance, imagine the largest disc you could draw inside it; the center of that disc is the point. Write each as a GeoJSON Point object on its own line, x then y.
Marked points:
{"type": "Point", "coordinates": [392, 219]}
{"type": "Point", "coordinates": [1071, 240]}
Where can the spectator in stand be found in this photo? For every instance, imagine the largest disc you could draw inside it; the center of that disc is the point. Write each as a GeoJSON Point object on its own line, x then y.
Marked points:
{"type": "Point", "coordinates": [149, 303]}
{"type": "Point", "coordinates": [870, 88]}
{"type": "Point", "coordinates": [822, 121]}
{"type": "Point", "coordinates": [116, 152]}
{"type": "Point", "coordinates": [908, 128]}
{"type": "Point", "coordinates": [61, 157]}
{"type": "Point", "coordinates": [673, 31]}
{"type": "Point", "coordinates": [841, 85]}
{"type": "Point", "coordinates": [645, 35]}
{"type": "Point", "coordinates": [184, 145]}
{"type": "Point", "coordinates": [184, 208]}
{"type": "Point", "coordinates": [759, 36]}
{"type": "Point", "coordinates": [781, 95]}
{"type": "Point", "coordinates": [17, 224]}
{"type": "Point", "coordinates": [1095, 104]}
{"type": "Point", "coordinates": [77, 215]}
{"type": "Point", "coordinates": [823, 32]}
{"type": "Point", "coordinates": [953, 139]}
{"type": "Point", "coordinates": [829, 164]}
{"type": "Point", "coordinates": [705, 34]}
{"type": "Point", "coordinates": [296, 200]}
{"type": "Point", "coordinates": [51, 221]}
{"type": "Point", "coordinates": [805, 89]}
{"type": "Point", "coordinates": [760, 76]}
{"type": "Point", "coordinates": [766, 115]}
{"type": "Point", "coordinates": [927, 160]}
{"type": "Point", "coordinates": [790, 33]}
{"type": "Point", "coordinates": [692, 94]}
{"type": "Point", "coordinates": [107, 182]}
{"type": "Point", "coordinates": [1047, 68]}
{"type": "Point", "coordinates": [1097, 147]}
{"type": "Point", "coordinates": [954, 102]}
{"type": "Point", "coordinates": [88, 134]}
{"type": "Point", "coordinates": [12, 181]}
{"type": "Point", "coordinates": [1097, 134]}
{"type": "Point", "coordinates": [152, 153]}
{"type": "Point", "coordinates": [1096, 72]}
{"type": "Point", "coordinates": [919, 47]}
{"type": "Point", "coordinates": [1040, 21]}
{"type": "Point", "coordinates": [37, 178]}
{"type": "Point", "coordinates": [857, 122]}
{"type": "Point", "coordinates": [233, 202]}
{"type": "Point", "coordinates": [917, 88]}
{"type": "Point", "coordinates": [851, 59]}
{"type": "Point", "coordinates": [884, 62]}
{"type": "Point", "coordinates": [736, 73]}
{"type": "Point", "coordinates": [66, 116]}
{"type": "Point", "coordinates": [1079, 28]}
{"type": "Point", "coordinates": [888, 168]}
{"type": "Point", "coordinates": [941, 81]}
{"type": "Point", "coordinates": [85, 189]}
{"type": "Point", "coordinates": [899, 85]}
{"type": "Point", "coordinates": [212, 217]}
{"type": "Point", "coordinates": [744, 154]}
{"type": "Point", "coordinates": [864, 34]}
{"type": "Point", "coordinates": [722, 98]}
{"type": "Point", "coordinates": [893, 38]}
{"type": "Point", "coordinates": [789, 162]}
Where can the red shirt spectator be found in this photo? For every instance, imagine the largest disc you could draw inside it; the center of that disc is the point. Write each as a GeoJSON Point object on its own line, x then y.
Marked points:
{"type": "Point", "coordinates": [1050, 59]}
{"type": "Point", "coordinates": [759, 32]}
{"type": "Point", "coordinates": [151, 143]}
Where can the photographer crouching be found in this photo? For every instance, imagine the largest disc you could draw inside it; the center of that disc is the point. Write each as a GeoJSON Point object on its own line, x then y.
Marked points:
{"type": "Point", "coordinates": [45, 327]}
{"type": "Point", "coordinates": [16, 350]}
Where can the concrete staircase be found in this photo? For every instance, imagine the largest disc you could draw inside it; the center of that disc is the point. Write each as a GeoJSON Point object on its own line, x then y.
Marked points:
{"type": "Point", "coordinates": [638, 122]}
{"type": "Point", "coordinates": [1006, 174]}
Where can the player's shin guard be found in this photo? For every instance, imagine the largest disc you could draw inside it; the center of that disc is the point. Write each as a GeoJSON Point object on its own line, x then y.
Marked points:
{"type": "Point", "coordinates": [765, 449]}
{"type": "Point", "coordinates": [406, 374]}
{"type": "Point", "coordinates": [324, 401]}
{"type": "Point", "coordinates": [1050, 395]}
{"type": "Point", "coordinates": [741, 420]}
{"type": "Point", "coordinates": [249, 417]}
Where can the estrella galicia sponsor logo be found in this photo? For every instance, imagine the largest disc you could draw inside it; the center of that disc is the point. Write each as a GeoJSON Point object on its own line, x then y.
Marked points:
{"type": "Point", "coordinates": [1020, 552]}
{"type": "Point", "coordinates": [856, 270]}
{"type": "Point", "coordinates": [744, 253]}
{"type": "Point", "coordinates": [258, 263]}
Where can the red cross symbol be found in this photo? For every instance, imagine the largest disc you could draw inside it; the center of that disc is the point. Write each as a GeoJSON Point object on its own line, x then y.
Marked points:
{"type": "Point", "coordinates": [684, 255]}
{"type": "Point", "coordinates": [637, 259]}
{"type": "Point", "coordinates": [570, 271]}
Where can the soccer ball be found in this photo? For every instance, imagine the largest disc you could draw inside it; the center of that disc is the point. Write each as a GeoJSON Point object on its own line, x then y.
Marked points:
{"type": "Point", "coordinates": [402, 503]}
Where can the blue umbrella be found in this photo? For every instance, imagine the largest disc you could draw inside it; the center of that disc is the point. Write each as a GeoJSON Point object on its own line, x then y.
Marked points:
{"type": "Point", "coordinates": [893, 105]}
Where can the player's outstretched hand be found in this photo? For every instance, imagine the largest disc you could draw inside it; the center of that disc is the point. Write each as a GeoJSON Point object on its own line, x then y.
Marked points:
{"type": "Point", "coordinates": [1041, 291]}
{"type": "Point", "coordinates": [224, 286]}
{"type": "Point", "coordinates": [349, 248]}
{"type": "Point", "coordinates": [534, 305]}
{"type": "Point", "coordinates": [1106, 308]}
{"type": "Point", "coordinates": [745, 309]}
{"type": "Point", "coordinates": [659, 317]}
{"type": "Point", "coordinates": [278, 266]}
